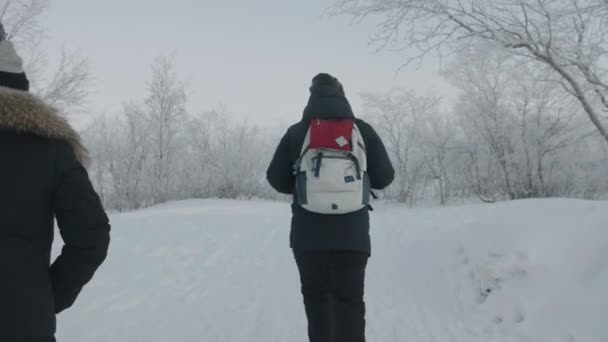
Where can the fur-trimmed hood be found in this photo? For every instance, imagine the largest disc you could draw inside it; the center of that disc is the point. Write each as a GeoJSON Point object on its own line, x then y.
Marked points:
{"type": "Point", "coordinates": [26, 113]}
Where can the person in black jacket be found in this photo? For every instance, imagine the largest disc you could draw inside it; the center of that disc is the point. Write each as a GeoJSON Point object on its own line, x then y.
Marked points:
{"type": "Point", "coordinates": [331, 251]}
{"type": "Point", "coordinates": [41, 178]}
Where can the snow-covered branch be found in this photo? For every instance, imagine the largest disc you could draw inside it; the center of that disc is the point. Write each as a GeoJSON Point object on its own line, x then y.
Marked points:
{"type": "Point", "coordinates": [570, 36]}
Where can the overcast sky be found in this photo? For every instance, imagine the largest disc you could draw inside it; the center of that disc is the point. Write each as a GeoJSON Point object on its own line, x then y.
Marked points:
{"type": "Point", "coordinates": [257, 57]}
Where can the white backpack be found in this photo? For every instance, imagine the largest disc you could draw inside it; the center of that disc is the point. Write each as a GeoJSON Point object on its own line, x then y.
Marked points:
{"type": "Point", "coordinates": [333, 181]}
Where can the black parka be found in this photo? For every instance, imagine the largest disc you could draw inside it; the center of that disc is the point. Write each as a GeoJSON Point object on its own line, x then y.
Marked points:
{"type": "Point", "coordinates": [42, 178]}
{"type": "Point", "coordinates": [316, 232]}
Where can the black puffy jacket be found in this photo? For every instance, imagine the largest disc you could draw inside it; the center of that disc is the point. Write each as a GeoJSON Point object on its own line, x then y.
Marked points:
{"type": "Point", "coordinates": [42, 178]}
{"type": "Point", "coordinates": [317, 232]}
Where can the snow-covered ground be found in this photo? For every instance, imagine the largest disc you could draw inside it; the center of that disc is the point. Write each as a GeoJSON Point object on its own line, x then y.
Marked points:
{"type": "Point", "coordinates": [222, 271]}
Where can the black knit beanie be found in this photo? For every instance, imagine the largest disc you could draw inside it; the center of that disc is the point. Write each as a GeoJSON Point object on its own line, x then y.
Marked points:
{"type": "Point", "coordinates": [325, 82]}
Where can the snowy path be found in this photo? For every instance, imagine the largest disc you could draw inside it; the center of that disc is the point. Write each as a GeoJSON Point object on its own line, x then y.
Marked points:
{"type": "Point", "coordinates": [222, 271]}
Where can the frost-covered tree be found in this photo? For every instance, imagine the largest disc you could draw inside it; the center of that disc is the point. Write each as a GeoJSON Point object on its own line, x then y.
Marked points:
{"type": "Point", "coordinates": [438, 146]}
{"type": "Point", "coordinates": [513, 121]}
{"type": "Point", "coordinates": [137, 154]}
{"type": "Point", "coordinates": [400, 116]}
{"type": "Point", "coordinates": [165, 112]}
{"type": "Point", "coordinates": [120, 153]}
{"type": "Point", "coordinates": [570, 37]}
{"type": "Point", "coordinates": [231, 157]}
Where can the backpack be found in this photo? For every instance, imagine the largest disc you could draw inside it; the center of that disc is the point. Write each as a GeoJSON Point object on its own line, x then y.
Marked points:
{"type": "Point", "coordinates": [331, 173]}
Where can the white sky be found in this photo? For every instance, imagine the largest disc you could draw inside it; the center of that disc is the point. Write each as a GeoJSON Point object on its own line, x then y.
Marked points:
{"type": "Point", "coordinates": [257, 57]}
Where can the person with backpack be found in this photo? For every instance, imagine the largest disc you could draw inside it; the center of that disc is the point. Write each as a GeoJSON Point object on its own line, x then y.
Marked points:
{"type": "Point", "coordinates": [42, 178]}
{"type": "Point", "coordinates": [330, 162]}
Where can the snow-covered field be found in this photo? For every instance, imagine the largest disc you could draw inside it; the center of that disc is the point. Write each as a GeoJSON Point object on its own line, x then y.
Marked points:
{"type": "Point", "coordinates": [222, 271]}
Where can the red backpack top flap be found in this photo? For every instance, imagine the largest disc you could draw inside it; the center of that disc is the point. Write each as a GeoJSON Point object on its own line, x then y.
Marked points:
{"type": "Point", "coordinates": [331, 134]}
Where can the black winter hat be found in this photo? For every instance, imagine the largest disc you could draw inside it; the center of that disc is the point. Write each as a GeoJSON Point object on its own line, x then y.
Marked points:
{"type": "Point", "coordinates": [12, 74]}
{"type": "Point", "coordinates": [324, 82]}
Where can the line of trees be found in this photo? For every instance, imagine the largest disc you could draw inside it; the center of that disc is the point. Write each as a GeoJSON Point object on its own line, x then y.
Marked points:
{"type": "Point", "coordinates": [510, 135]}
{"type": "Point", "coordinates": [156, 151]}
{"type": "Point", "coordinates": [530, 119]}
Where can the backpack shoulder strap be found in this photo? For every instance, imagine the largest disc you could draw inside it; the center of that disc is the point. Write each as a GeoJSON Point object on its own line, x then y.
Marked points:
{"type": "Point", "coordinates": [305, 149]}
{"type": "Point", "coordinates": [359, 148]}
{"type": "Point", "coordinates": [358, 138]}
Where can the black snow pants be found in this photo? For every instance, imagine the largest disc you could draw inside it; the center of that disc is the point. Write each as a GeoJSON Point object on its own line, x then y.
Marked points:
{"type": "Point", "coordinates": [333, 288]}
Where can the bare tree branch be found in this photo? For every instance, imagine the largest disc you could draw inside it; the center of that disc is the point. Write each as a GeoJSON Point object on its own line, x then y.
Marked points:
{"type": "Point", "coordinates": [20, 18]}
{"type": "Point", "coordinates": [568, 36]}
{"type": "Point", "coordinates": [65, 87]}
{"type": "Point", "coordinates": [69, 86]}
